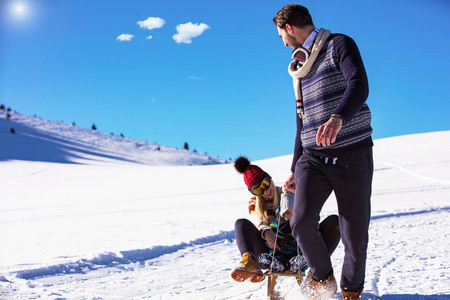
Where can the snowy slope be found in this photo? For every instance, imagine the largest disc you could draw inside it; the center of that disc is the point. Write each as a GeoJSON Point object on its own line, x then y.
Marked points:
{"type": "Point", "coordinates": [36, 139]}
{"type": "Point", "coordinates": [93, 218]}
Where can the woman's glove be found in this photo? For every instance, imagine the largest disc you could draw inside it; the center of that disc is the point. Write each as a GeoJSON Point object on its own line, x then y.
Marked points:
{"type": "Point", "coordinates": [270, 237]}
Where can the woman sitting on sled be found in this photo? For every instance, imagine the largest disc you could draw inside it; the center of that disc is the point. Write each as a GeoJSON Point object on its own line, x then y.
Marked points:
{"type": "Point", "coordinates": [259, 244]}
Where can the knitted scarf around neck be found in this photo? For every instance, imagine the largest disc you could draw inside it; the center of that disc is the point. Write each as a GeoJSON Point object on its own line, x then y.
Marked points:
{"type": "Point", "coordinates": [297, 72]}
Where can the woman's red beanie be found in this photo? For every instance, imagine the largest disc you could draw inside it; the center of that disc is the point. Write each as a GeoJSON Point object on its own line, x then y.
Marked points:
{"type": "Point", "coordinates": [252, 173]}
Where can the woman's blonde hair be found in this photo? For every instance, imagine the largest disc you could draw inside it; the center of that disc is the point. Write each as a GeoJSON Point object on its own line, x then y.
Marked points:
{"type": "Point", "coordinates": [261, 206]}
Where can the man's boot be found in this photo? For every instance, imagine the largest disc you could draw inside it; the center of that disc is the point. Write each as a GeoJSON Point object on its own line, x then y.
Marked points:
{"type": "Point", "coordinates": [319, 290]}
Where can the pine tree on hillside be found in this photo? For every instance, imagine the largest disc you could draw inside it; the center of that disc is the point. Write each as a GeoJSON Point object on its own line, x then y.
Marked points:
{"type": "Point", "coordinates": [2, 107]}
{"type": "Point", "coordinates": [94, 127]}
{"type": "Point", "coordinates": [186, 146]}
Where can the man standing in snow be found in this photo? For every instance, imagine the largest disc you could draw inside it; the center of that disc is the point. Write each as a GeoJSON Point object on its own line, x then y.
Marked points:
{"type": "Point", "coordinates": [333, 149]}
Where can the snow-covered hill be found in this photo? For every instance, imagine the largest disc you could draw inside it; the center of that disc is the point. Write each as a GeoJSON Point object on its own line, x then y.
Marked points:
{"type": "Point", "coordinates": [35, 139]}
{"type": "Point", "coordinates": [80, 219]}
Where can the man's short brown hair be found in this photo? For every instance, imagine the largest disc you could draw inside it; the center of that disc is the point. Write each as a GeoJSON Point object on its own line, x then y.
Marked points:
{"type": "Point", "coordinates": [293, 14]}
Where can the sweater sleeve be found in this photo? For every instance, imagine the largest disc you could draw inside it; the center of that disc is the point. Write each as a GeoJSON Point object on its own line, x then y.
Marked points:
{"type": "Point", "coordinates": [298, 148]}
{"type": "Point", "coordinates": [352, 67]}
{"type": "Point", "coordinates": [256, 219]}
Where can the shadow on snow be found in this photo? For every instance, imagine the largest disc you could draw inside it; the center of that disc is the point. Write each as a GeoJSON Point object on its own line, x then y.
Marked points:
{"type": "Point", "coordinates": [115, 259]}
{"type": "Point", "coordinates": [31, 144]}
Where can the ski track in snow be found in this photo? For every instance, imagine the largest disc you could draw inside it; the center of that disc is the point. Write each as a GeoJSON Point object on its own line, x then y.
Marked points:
{"type": "Point", "coordinates": [143, 269]}
{"type": "Point", "coordinates": [408, 258]}
{"type": "Point", "coordinates": [111, 259]}
{"type": "Point", "coordinates": [121, 258]}
{"type": "Point", "coordinates": [404, 169]}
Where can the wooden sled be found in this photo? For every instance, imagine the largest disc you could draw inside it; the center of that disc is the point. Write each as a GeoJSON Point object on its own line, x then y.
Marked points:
{"type": "Point", "coordinates": [272, 280]}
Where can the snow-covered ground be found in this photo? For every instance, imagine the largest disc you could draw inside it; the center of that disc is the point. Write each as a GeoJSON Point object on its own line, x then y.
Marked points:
{"type": "Point", "coordinates": [87, 215]}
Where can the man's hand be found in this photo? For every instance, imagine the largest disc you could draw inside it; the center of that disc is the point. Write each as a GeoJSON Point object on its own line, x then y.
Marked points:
{"type": "Point", "coordinates": [289, 184]}
{"type": "Point", "coordinates": [327, 132]}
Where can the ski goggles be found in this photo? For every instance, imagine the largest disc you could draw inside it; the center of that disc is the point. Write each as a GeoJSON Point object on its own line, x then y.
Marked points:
{"type": "Point", "coordinates": [259, 188]}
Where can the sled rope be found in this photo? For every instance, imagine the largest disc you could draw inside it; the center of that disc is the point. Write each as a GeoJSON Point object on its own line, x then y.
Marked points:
{"type": "Point", "coordinates": [272, 277]}
{"type": "Point", "coordinates": [276, 240]}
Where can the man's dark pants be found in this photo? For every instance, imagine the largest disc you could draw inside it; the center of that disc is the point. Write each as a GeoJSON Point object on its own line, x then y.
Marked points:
{"type": "Point", "coordinates": [350, 177]}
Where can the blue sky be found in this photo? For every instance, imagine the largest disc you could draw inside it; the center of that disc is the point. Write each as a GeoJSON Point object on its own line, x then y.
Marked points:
{"type": "Point", "coordinates": [219, 81]}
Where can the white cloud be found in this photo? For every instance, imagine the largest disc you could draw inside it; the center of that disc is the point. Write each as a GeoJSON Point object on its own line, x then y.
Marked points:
{"type": "Point", "coordinates": [196, 78]}
{"type": "Point", "coordinates": [188, 31]}
{"type": "Point", "coordinates": [125, 37]}
{"type": "Point", "coordinates": [151, 23]}
{"type": "Point", "coordinates": [149, 37]}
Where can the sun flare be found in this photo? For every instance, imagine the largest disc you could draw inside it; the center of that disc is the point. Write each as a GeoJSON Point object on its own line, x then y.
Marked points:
{"type": "Point", "coordinates": [19, 10]}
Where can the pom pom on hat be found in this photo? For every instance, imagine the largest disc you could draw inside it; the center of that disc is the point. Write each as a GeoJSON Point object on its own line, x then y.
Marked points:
{"type": "Point", "coordinates": [252, 173]}
{"type": "Point", "coordinates": [241, 164]}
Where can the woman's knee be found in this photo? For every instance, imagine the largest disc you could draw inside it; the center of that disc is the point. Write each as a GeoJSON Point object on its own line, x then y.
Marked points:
{"type": "Point", "coordinates": [330, 222]}
{"type": "Point", "coordinates": [241, 223]}
{"type": "Point", "coordinates": [330, 231]}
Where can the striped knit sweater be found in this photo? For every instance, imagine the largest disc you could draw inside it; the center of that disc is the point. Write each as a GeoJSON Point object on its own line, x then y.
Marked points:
{"type": "Point", "coordinates": [336, 84]}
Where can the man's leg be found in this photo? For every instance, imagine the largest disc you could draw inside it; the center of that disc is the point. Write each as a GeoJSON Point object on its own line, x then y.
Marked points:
{"type": "Point", "coordinates": [353, 187]}
{"type": "Point", "coordinates": [312, 190]}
